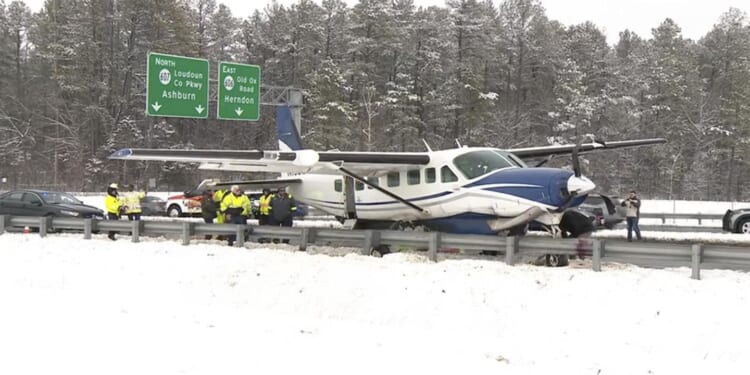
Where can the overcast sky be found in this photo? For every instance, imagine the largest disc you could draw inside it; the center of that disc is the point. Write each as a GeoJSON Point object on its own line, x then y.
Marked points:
{"type": "Point", "coordinates": [695, 17]}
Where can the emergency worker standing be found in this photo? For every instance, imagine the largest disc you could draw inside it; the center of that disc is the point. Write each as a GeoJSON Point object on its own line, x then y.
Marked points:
{"type": "Point", "coordinates": [208, 209]}
{"type": "Point", "coordinates": [132, 202]}
{"type": "Point", "coordinates": [264, 207]}
{"type": "Point", "coordinates": [218, 197]}
{"type": "Point", "coordinates": [282, 210]}
{"type": "Point", "coordinates": [113, 206]}
{"type": "Point", "coordinates": [235, 207]}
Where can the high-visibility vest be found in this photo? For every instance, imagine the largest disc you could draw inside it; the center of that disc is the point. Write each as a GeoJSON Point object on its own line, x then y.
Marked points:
{"type": "Point", "coordinates": [132, 201]}
{"type": "Point", "coordinates": [112, 204]}
{"type": "Point", "coordinates": [265, 204]}
{"type": "Point", "coordinates": [233, 202]}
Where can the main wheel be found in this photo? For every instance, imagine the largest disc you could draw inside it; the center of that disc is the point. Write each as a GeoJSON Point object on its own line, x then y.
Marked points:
{"type": "Point", "coordinates": [744, 226]}
{"type": "Point", "coordinates": [379, 251]}
{"type": "Point", "coordinates": [556, 260]}
{"type": "Point", "coordinates": [174, 211]}
{"type": "Point", "coordinates": [574, 224]}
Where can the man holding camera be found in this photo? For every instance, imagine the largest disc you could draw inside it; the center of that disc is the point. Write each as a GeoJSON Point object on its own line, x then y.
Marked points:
{"type": "Point", "coordinates": [632, 210]}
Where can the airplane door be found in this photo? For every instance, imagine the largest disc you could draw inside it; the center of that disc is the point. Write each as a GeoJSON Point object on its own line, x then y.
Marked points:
{"type": "Point", "coordinates": [350, 207]}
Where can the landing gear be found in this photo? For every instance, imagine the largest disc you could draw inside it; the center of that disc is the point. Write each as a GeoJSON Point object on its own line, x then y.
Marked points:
{"type": "Point", "coordinates": [574, 224]}
{"type": "Point", "coordinates": [380, 250]}
{"type": "Point", "coordinates": [556, 260]}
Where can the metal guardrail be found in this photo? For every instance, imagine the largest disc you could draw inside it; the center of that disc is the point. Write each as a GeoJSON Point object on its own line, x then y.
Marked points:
{"type": "Point", "coordinates": [648, 254]}
{"type": "Point", "coordinates": [681, 216]}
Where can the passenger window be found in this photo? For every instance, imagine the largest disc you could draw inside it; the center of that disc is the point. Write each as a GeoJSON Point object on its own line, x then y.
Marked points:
{"type": "Point", "coordinates": [429, 175]}
{"type": "Point", "coordinates": [31, 198]}
{"type": "Point", "coordinates": [412, 177]}
{"type": "Point", "coordinates": [393, 179]}
{"type": "Point", "coordinates": [15, 196]}
{"type": "Point", "coordinates": [359, 185]}
{"type": "Point", "coordinates": [338, 185]}
{"type": "Point", "coordinates": [447, 175]}
{"type": "Point", "coordinates": [372, 180]}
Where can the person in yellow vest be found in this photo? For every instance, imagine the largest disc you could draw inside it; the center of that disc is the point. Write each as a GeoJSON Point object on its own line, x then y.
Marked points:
{"type": "Point", "coordinates": [235, 207]}
{"type": "Point", "coordinates": [113, 206]}
{"type": "Point", "coordinates": [132, 202]}
{"type": "Point", "coordinates": [264, 207]}
{"type": "Point", "coordinates": [218, 197]}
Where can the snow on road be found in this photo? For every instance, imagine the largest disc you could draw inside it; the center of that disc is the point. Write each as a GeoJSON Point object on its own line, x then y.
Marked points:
{"type": "Point", "coordinates": [156, 307]}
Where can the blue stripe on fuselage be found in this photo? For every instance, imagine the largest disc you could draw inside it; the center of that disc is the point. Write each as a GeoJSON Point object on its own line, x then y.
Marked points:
{"type": "Point", "coordinates": [543, 185]}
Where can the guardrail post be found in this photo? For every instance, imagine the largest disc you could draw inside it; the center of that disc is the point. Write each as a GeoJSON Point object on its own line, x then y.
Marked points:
{"type": "Point", "coordinates": [239, 231]}
{"type": "Point", "coordinates": [44, 225]}
{"type": "Point", "coordinates": [696, 261]}
{"type": "Point", "coordinates": [434, 245]}
{"type": "Point", "coordinates": [305, 237]}
{"type": "Point", "coordinates": [87, 229]}
{"type": "Point", "coordinates": [187, 231]}
{"type": "Point", "coordinates": [135, 230]}
{"type": "Point", "coordinates": [511, 246]}
{"type": "Point", "coordinates": [2, 224]}
{"type": "Point", "coordinates": [372, 240]}
{"type": "Point", "coordinates": [596, 261]}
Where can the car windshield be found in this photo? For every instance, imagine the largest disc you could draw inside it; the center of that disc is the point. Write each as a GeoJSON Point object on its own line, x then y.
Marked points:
{"type": "Point", "coordinates": [54, 198]}
{"type": "Point", "coordinates": [477, 163]}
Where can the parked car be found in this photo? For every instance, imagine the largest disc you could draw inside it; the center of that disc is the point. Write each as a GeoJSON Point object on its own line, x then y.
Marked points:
{"type": "Point", "coordinates": [737, 221]}
{"type": "Point", "coordinates": [46, 203]}
{"type": "Point", "coordinates": [604, 209]}
{"type": "Point", "coordinates": [153, 206]}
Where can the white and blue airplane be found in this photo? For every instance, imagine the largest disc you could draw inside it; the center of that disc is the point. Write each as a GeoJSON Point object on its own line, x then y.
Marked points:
{"type": "Point", "coordinates": [471, 190]}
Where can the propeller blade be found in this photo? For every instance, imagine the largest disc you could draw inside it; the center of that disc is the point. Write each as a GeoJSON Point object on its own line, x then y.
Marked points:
{"type": "Point", "coordinates": [576, 162]}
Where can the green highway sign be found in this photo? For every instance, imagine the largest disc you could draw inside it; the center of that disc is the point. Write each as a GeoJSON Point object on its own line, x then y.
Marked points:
{"type": "Point", "coordinates": [177, 86]}
{"type": "Point", "coordinates": [239, 92]}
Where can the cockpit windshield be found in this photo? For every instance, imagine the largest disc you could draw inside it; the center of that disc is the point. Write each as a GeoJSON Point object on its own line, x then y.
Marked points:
{"type": "Point", "coordinates": [477, 163]}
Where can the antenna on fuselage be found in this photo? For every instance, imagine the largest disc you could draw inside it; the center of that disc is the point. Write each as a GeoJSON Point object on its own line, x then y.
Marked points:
{"type": "Point", "coordinates": [426, 145]}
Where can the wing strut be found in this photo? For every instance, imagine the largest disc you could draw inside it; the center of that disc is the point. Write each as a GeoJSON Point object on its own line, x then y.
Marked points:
{"type": "Point", "coordinates": [380, 189]}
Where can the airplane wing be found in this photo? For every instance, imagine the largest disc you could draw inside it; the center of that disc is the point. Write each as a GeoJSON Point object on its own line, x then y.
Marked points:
{"type": "Point", "coordinates": [300, 161]}
{"type": "Point", "coordinates": [279, 183]}
{"type": "Point", "coordinates": [542, 151]}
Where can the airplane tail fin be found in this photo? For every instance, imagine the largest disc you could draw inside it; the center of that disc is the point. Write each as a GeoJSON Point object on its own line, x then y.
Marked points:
{"type": "Point", "coordinates": [289, 139]}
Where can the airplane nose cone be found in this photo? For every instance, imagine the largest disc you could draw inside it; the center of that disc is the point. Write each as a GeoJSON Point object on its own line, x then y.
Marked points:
{"type": "Point", "coordinates": [580, 185]}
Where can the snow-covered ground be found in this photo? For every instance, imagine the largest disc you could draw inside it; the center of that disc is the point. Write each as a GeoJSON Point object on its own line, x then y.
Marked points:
{"type": "Point", "coordinates": [71, 306]}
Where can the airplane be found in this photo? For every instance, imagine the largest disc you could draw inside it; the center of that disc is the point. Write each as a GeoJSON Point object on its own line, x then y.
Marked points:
{"type": "Point", "coordinates": [469, 190]}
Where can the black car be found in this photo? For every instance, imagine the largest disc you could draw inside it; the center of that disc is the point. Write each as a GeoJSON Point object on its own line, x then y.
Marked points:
{"type": "Point", "coordinates": [153, 206]}
{"type": "Point", "coordinates": [45, 203]}
{"type": "Point", "coordinates": [737, 221]}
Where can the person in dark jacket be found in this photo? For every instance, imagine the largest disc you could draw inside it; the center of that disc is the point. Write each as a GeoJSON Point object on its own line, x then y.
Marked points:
{"type": "Point", "coordinates": [208, 209]}
{"type": "Point", "coordinates": [632, 211]}
{"type": "Point", "coordinates": [282, 210]}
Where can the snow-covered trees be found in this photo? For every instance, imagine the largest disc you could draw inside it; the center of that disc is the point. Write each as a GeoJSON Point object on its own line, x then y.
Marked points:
{"type": "Point", "coordinates": [380, 75]}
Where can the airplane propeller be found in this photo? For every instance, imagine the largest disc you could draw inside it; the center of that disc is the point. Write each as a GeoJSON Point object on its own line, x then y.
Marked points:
{"type": "Point", "coordinates": [574, 155]}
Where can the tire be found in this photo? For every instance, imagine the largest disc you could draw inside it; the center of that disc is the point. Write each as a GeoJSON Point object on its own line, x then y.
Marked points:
{"type": "Point", "coordinates": [174, 211]}
{"type": "Point", "coordinates": [556, 260]}
{"type": "Point", "coordinates": [379, 251]}
{"type": "Point", "coordinates": [576, 224]}
{"type": "Point", "coordinates": [744, 226]}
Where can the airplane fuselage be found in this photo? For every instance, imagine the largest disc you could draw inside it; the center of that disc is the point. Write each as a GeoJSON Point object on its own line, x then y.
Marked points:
{"type": "Point", "coordinates": [460, 190]}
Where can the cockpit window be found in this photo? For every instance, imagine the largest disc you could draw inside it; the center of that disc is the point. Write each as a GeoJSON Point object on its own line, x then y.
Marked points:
{"type": "Point", "coordinates": [477, 163]}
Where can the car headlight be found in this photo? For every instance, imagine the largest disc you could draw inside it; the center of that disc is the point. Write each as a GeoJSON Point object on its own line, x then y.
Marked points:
{"type": "Point", "coordinates": [69, 213]}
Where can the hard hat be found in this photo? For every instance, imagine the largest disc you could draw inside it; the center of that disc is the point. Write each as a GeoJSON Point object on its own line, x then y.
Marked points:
{"type": "Point", "coordinates": [113, 186]}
